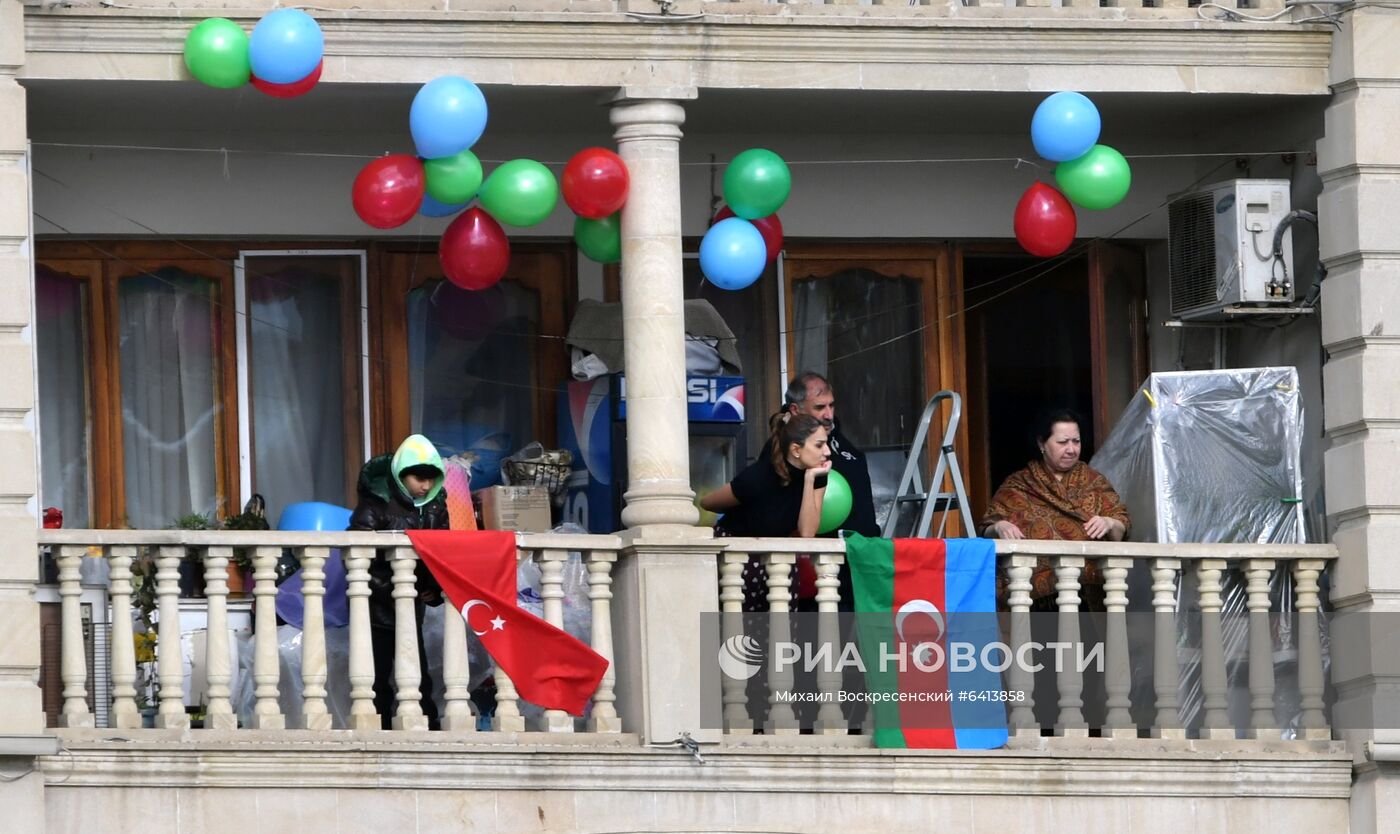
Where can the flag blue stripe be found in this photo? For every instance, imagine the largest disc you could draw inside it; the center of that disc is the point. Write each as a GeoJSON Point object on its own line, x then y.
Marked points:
{"type": "Point", "coordinates": [979, 721]}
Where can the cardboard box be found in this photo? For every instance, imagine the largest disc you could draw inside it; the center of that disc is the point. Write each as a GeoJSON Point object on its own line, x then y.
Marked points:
{"type": "Point", "coordinates": [524, 509]}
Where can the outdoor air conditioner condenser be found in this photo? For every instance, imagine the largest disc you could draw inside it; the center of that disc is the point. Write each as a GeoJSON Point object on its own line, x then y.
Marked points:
{"type": "Point", "coordinates": [1220, 245]}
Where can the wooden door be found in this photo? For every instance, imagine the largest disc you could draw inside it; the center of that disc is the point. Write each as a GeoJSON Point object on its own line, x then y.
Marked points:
{"type": "Point", "coordinates": [881, 323]}
{"type": "Point", "coordinates": [461, 366]}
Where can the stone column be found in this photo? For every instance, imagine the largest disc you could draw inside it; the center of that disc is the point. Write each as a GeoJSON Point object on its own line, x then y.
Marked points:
{"type": "Point", "coordinates": [648, 131]}
{"type": "Point", "coordinates": [666, 578]}
{"type": "Point", "coordinates": [1359, 162]}
{"type": "Point", "coordinates": [21, 711]}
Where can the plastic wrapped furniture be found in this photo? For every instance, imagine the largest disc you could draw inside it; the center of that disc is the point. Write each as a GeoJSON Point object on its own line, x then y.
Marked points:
{"type": "Point", "coordinates": [1215, 456]}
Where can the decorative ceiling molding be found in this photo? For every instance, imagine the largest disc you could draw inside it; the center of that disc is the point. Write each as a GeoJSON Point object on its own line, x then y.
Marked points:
{"type": "Point", "coordinates": [600, 50]}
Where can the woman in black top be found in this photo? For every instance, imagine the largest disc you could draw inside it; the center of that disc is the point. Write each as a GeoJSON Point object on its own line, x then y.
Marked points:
{"type": "Point", "coordinates": [777, 497]}
{"type": "Point", "coordinates": [781, 496]}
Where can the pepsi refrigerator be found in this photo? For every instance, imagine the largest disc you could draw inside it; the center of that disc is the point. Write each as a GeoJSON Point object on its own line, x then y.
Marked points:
{"type": "Point", "coordinates": [593, 426]}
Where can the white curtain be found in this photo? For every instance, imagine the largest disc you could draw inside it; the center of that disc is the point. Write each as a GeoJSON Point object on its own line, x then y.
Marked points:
{"type": "Point", "coordinates": [297, 399]}
{"type": "Point", "coordinates": [61, 340]}
{"type": "Point", "coordinates": [169, 383]}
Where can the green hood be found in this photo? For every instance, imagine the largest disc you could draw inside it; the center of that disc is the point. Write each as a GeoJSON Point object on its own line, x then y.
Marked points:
{"type": "Point", "coordinates": [416, 450]}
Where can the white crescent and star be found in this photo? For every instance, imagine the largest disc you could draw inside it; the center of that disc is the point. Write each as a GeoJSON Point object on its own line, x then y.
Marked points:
{"type": "Point", "coordinates": [497, 623]}
{"type": "Point", "coordinates": [918, 606]}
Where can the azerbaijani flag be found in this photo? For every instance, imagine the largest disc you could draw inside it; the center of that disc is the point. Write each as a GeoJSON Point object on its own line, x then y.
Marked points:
{"type": "Point", "coordinates": [926, 599]}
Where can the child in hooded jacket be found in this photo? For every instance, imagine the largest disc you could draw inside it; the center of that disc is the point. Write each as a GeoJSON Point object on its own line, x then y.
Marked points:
{"type": "Point", "coordinates": [403, 491]}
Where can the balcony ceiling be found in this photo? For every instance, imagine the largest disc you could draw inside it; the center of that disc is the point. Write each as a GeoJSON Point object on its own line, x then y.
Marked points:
{"type": "Point", "coordinates": [73, 111]}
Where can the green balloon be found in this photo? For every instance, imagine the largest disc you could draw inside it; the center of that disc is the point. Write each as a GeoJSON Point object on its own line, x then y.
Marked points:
{"type": "Point", "coordinates": [756, 183]}
{"type": "Point", "coordinates": [455, 179]}
{"type": "Point", "coordinates": [600, 240]}
{"type": "Point", "coordinates": [216, 53]}
{"type": "Point", "coordinates": [836, 502]}
{"type": "Point", "coordinates": [1097, 180]}
{"type": "Point", "coordinates": [521, 192]}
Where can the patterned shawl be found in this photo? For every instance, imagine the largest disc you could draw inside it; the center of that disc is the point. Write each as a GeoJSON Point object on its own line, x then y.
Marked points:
{"type": "Point", "coordinates": [1045, 508]}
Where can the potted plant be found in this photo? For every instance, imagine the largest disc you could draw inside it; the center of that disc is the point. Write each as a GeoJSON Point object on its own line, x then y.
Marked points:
{"type": "Point", "coordinates": [253, 517]}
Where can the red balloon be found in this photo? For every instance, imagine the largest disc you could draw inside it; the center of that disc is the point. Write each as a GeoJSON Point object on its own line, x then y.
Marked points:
{"type": "Point", "coordinates": [594, 183]}
{"type": "Point", "coordinates": [1045, 222]}
{"type": "Point", "coordinates": [388, 191]}
{"type": "Point", "coordinates": [474, 250]}
{"type": "Point", "coordinates": [770, 227]}
{"type": "Point", "coordinates": [291, 89]}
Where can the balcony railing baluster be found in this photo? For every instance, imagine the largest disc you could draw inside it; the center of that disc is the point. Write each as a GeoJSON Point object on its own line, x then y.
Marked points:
{"type": "Point", "coordinates": [73, 653]}
{"type": "Point", "coordinates": [408, 673]}
{"type": "Point", "coordinates": [1216, 721]}
{"type": "Point", "coordinates": [218, 714]}
{"type": "Point", "coordinates": [170, 663]}
{"type": "Point", "coordinates": [731, 600]}
{"type": "Point", "coordinates": [1261, 650]}
{"type": "Point", "coordinates": [124, 713]}
{"type": "Point", "coordinates": [1069, 679]}
{"type": "Point", "coordinates": [781, 718]}
{"type": "Point", "coordinates": [267, 712]}
{"type": "Point", "coordinates": [1310, 679]}
{"type": "Point", "coordinates": [1166, 669]}
{"type": "Point", "coordinates": [829, 718]}
{"type": "Point", "coordinates": [1020, 679]}
{"type": "Point", "coordinates": [362, 712]}
{"type": "Point", "coordinates": [604, 716]}
{"type": "Point", "coordinates": [552, 594]}
{"type": "Point", "coordinates": [1118, 683]}
{"type": "Point", "coordinates": [456, 672]}
{"type": "Point", "coordinates": [313, 639]}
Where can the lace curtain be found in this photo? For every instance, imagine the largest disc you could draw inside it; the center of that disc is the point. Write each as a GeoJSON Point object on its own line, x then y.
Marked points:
{"type": "Point", "coordinates": [295, 381]}
{"type": "Point", "coordinates": [169, 380]}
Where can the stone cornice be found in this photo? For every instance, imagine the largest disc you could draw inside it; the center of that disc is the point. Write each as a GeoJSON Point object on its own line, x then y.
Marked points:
{"type": "Point", "coordinates": [1292, 770]}
{"type": "Point", "coordinates": [960, 53]}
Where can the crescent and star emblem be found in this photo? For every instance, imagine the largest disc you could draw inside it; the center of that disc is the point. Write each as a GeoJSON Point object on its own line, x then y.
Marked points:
{"type": "Point", "coordinates": [916, 606]}
{"type": "Point", "coordinates": [497, 623]}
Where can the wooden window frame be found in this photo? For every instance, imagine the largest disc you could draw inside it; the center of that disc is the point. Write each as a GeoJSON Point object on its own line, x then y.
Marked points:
{"type": "Point", "coordinates": [100, 264]}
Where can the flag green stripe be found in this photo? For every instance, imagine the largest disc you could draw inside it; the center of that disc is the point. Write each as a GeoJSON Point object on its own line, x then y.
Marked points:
{"type": "Point", "coordinates": [872, 574]}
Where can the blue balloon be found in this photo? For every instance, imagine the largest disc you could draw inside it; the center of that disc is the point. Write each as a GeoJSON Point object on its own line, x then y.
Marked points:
{"type": "Point", "coordinates": [732, 254]}
{"type": "Point", "coordinates": [433, 208]}
{"type": "Point", "coordinates": [447, 117]}
{"type": "Point", "coordinates": [285, 46]}
{"type": "Point", "coordinates": [314, 515]}
{"type": "Point", "coordinates": [1065, 127]}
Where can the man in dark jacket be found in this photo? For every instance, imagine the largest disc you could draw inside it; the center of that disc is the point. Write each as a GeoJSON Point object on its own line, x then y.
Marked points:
{"type": "Point", "coordinates": [400, 492]}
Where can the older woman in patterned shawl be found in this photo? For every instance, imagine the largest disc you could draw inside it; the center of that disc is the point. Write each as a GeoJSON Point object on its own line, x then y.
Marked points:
{"type": "Point", "coordinates": [1058, 497]}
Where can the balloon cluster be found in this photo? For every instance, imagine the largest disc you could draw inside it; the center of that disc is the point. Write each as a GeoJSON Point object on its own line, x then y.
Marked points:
{"type": "Point", "coordinates": [282, 57]}
{"type": "Point", "coordinates": [595, 186]}
{"type": "Point", "coordinates": [746, 234]}
{"type": "Point", "coordinates": [1065, 129]}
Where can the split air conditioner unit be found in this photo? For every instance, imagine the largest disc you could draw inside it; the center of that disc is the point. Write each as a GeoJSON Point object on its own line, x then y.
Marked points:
{"type": "Point", "coordinates": [1220, 244]}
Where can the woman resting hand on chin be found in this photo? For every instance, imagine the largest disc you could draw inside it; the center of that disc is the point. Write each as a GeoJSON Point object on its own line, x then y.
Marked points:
{"type": "Point", "coordinates": [777, 497]}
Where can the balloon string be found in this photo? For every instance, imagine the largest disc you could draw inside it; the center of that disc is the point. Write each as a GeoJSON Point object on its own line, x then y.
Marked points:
{"type": "Point", "coordinates": [560, 163]}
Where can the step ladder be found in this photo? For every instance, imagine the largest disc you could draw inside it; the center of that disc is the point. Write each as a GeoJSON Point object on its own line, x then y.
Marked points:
{"type": "Point", "coordinates": [913, 497]}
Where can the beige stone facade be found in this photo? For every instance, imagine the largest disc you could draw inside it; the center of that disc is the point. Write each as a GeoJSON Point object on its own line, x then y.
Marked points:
{"type": "Point", "coordinates": [1211, 86]}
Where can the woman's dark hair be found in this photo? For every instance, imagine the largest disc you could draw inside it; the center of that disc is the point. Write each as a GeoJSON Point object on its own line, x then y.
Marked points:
{"type": "Point", "coordinates": [1046, 420]}
{"type": "Point", "coordinates": [784, 429]}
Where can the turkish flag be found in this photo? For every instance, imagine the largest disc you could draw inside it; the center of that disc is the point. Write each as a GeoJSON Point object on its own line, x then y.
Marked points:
{"type": "Point", "coordinates": [549, 666]}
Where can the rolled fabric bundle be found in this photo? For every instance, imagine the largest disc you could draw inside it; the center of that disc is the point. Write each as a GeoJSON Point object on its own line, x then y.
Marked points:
{"type": "Point", "coordinates": [458, 483]}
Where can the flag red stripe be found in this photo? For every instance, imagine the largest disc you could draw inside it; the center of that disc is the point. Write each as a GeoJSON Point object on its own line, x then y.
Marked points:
{"type": "Point", "coordinates": [919, 566]}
